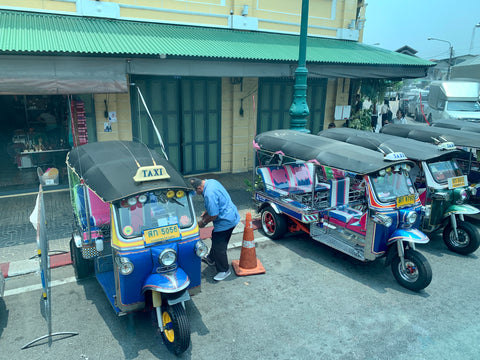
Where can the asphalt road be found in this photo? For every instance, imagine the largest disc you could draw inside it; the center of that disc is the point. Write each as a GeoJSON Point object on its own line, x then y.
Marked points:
{"type": "Point", "coordinates": [312, 303]}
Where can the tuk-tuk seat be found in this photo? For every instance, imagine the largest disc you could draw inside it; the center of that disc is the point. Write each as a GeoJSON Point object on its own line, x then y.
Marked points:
{"type": "Point", "coordinates": [302, 178]}
{"type": "Point", "coordinates": [339, 193]}
{"type": "Point", "coordinates": [289, 179]}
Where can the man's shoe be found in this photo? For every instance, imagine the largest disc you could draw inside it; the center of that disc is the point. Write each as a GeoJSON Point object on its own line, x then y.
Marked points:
{"type": "Point", "coordinates": [222, 275]}
{"type": "Point", "coordinates": [208, 261]}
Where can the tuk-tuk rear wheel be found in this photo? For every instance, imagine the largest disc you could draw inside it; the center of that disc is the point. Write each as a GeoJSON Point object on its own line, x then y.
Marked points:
{"type": "Point", "coordinates": [417, 275]}
{"type": "Point", "coordinates": [83, 268]}
{"type": "Point", "coordinates": [176, 333]}
{"type": "Point", "coordinates": [468, 238]}
{"type": "Point", "coordinates": [274, 225]}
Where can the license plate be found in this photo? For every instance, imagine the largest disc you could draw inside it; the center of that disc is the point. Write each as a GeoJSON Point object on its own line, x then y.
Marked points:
{"type": "Point", "coordinates": [455, 182]}
{"type": "Point", "coordinates": [161, 234]}
{"type": "Point", "coordinates": [405, 200]}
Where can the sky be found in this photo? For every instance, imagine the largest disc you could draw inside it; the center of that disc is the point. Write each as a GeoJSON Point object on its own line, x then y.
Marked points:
{"type": "Point", "coordinates": [395, 23]}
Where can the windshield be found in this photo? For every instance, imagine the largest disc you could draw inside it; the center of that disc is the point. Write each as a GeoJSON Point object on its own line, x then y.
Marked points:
{"type": "Point", "coordinates": [443, 170]}
{"type": "Point", "coordinates": [392, 185]}
{"type": "Point", "coordinates": [463, 106]}
{"type": "Point", "coordinates": [156, 209]}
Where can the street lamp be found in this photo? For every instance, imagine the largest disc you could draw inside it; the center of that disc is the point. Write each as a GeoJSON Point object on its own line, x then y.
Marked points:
{"type": "Point", "coordinates": [451, 54]}
{"type": "Point", "coordinates": [299, 108]}
{"type": "Point", "coordinates": [473, 36]}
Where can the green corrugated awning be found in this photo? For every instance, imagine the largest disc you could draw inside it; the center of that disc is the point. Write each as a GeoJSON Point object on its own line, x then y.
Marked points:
{"type": "Point", "coordinates": [50, 34]}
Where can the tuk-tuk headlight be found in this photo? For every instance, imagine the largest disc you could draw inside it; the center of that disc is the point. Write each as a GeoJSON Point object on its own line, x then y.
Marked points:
{"type": "Point", "coordinates": [142, 199]}
{"type": "Point", "coordinates": [201, 249]}
{"type": "Point", "coordinates": [125, 266]}
{"type": "Point", "coordinates": [462, 196]}
{"type": "Point", "coordinates": [411, 217]}
{"type": "Point", "coordinates": [382, 220]}
{"type": "Point", "coordinates": [167, 257]}
{"type": "Point", "coordinates": [132, 201]}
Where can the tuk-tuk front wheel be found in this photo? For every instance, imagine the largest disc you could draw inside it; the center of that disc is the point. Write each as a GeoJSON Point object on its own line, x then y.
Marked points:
{"type": "Point", "coordinates": [417, 274]}
{"type": "Point", "coordinates": [468, 238]}
{"type": "Point", "coordinates": [274, 225]}
{"type": "Point", "coordinates": [176, 328]}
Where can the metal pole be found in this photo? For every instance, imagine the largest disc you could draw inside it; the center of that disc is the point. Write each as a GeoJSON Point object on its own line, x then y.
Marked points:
{"type": "Point", "coordinates": [450, 62]}
{"type": "Point", "coordinates": [299, 108]}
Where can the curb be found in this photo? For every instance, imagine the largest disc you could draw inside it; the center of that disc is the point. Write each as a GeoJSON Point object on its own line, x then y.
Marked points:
{"type": "Point", "coordinates": [23, 267]}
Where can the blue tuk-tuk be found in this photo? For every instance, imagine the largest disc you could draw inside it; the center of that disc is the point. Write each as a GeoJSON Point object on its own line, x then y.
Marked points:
{"type": "Point", "coordinates": [347, 197]}
{"type": "Point", "coordinates": [135, 229]}
{"type": "Point", "coordinates": [443, 187]}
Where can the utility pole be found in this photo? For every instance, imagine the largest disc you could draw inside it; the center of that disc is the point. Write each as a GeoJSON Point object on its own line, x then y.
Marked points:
{"type": "Point", "coordinates": [299, 108]}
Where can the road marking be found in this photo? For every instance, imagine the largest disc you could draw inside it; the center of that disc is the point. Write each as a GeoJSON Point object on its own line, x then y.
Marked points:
{"type": "Point", "coordinates": [38, 286]}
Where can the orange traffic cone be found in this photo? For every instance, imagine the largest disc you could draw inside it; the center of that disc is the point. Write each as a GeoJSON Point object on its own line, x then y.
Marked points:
{"type": "Point", "coordinates": [248, 263]}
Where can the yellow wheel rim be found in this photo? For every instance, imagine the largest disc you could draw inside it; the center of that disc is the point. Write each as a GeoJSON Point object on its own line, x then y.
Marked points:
{"type": "Point", "coordinates": [167, 324]}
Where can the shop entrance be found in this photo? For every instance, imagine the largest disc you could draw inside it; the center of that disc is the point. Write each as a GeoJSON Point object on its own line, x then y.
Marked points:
{"type": "Point", "coordinates": [34, 141]}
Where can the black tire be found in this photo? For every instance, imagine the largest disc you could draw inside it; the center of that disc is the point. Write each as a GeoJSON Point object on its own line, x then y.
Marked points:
{"type": "Point", "coordinates": [468, 240]}
{"type": "Point", "coordinates": [273, 224]}
{"type": "Point", "coordinates": [176, 333]}
{"type": "Point", "coordinates": [83, 268]}
{"type": "Point", "coordinates": [429, 119]}
{"type": "Point", "coordinates": [418, 274]}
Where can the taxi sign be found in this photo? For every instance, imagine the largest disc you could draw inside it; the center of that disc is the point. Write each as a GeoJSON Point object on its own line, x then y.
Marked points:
{"type": "Point", "coordinates": [405, 200]}
{"type": "Point", "coordinates": [448, 145]}
{"type": "Point", "coordinates": [394, 156]}
{"type": "Point", "coordinates": [161, 234]}
{"type": "Point", "coordinates": [458, 181]}
{"type": "Point", "coordinates": [149, 173]}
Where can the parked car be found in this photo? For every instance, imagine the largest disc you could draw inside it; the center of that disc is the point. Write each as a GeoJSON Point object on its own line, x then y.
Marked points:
{"type": "Point", "coordinates": [454, 99]}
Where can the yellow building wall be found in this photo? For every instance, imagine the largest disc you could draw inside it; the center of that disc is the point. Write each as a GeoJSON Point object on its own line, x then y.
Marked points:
{"type": "Point", "coordinates": [238, 131]}
{"type": "Point", "coordinates": [122, 128]}
{"type": "Point", "coordinates": [286, 15]}
{"type": "Point", "coordinates": [337, 94]}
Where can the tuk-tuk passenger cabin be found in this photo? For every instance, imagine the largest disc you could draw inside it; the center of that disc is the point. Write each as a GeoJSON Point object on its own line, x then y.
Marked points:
{"type": "Point", "coordinates": [344, 196]}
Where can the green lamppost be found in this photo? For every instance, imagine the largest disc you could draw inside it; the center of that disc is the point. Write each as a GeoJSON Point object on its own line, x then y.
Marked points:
{"type": "Point", "coordinates": [299, 109]}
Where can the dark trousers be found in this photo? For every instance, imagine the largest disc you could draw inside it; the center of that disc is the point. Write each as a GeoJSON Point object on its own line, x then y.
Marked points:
{"type": "Point", "coordinates": [218, 252]}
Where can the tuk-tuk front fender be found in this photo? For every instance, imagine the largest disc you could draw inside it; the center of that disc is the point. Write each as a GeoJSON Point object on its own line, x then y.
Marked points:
{"type": "Point", "coordinates": [409, 235]}
{"type": "Point", "coordinates": [170, 282]}
{"type": "Point", "coordinates": [461, 209]}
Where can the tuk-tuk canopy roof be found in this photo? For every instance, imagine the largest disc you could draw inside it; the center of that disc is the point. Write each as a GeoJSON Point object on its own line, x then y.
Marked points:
{"type": "Point", "coordinates": [108, 168]}
{"type": "Point", "coordinates": [432, 134]}
{"type": "Point", "coordinates": [328, 152]}
{"type": "Point", "coordinates": [458, 125]}
{"type": "Point", "coordinates": [384, 143]}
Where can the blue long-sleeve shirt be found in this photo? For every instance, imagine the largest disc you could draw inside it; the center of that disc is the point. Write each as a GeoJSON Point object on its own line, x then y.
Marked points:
{"type": "Point", "coordinates": [218, 203]}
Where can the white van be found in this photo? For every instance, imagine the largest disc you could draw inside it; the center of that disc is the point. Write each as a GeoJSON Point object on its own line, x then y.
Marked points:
{"type": "Point", "coordinates": [454, 99]}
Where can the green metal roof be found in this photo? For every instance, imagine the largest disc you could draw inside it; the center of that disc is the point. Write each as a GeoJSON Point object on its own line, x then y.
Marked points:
{"type": "Point", "coordinates": [39, 33]}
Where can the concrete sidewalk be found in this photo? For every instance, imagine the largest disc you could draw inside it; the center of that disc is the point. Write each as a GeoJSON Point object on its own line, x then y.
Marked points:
{"type": "Point", "coordinates": [18, 247]}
